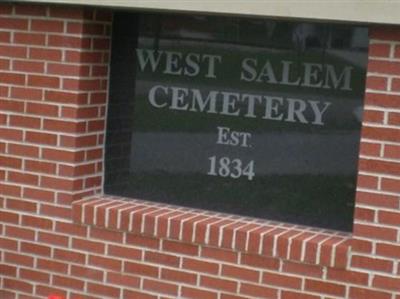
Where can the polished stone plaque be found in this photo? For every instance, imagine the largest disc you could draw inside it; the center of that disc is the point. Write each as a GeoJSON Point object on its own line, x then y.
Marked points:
{"type": "Point", "coordinates": [245, 116]}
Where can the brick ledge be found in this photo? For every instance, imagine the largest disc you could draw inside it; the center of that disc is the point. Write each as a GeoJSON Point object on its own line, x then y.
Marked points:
{"type": "Point", "coordinates": [267, 238]}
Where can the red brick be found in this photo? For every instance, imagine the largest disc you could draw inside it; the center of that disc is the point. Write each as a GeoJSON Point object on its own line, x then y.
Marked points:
{"type": "Point", "coordinates": [302, 269]}
{"type": "Point", "coordinates": [160, 287]}
{"type": "Point", "coordinates": [23, 150]}
{"type": "Point", "coordinates": [44, 54]}
{"type": "Point", "coordinates": [141, 269]}
{"type": "Point", "coordinates": [367, 181]}
{"type": "Point", "coordinates": [45, 291]}
{"type": "Point", "coordinates": [37, 222]}
{"type": "Point", "coordinates": [42, 109]}
{"type": "Point", "coordinates": [13, 51]}
{"type": "Point", "coordinates": [137, 294]}
{"type": "Point", "coordinates": [47, 25]}
{"type": "Point", "coordinates": [93, 182]}
{"type": "Point", "coordinates": [381, 99]}
{"type": "Point", "coordinates": [295, 295]}
{"type": "Point", "coordinates": [103, 290]}
{"type": "Point", "coordinates": [357, 293]}
{"type": "Point", "coordinates": [392, 151]}
{"type": "Point", "coordinates": [98, 98]}
{"type": "Point", "coordinates": [391, 218]}
{"type": "Point", "coordinates": [62, 155]}
{"type": "Point", "coordinates": [53, 239]}
{"type": "Point", "coordinates": [13, 23]}
{"type": "Point", "coordinates": [12, 78]}
{"type": "Point", "coordinates": [379, 50]}
{"type": "Point", "coordinates": [81, 84]}
{"type": "Point", "coordinates": [124, 252]}
{"type": "Point", "coordinates": [4, 65]}
{"type": "Point", "coordinates": [105, 263]}
{"type": "Point", "coordinates": [26, 93]}
{"type": "Point", "coordinates": [10, 162]}
{"type": "Point", "coordinates": [84, 57]}
{"type": "Point", "coordinates": [9, 217]}
{"type": "Point", "coordinates": [162, 258]}
{"type": "Point", "coordinates": [68, 282]}
{"type": "Point", "coordinates": [78, 141]}
{"type": "Point", "coordinates": [87, 245]}
{"type": "Point", "coordinates": [5, 293]}
{"type": "Point", "coordinates": [37, 249]}
{"type": "Point", "coordinates": [11, 134]}
{"type": "Point", "coordinates": [394, 118]}
{"type": "Point", "coordinates": [38, 194]}
{"type": "Point", "coordinates": [260, 261]}
{"type": "Point", "coordinates": [18, 259]}
{"type": "Point", "coordinates": [65, 41]}
{"type": "Point", "coordinates": [374, 264]}
{"type": "Point", "coordinates": [29, 38]}
{"type": "Point", "coordinates": [240, 273]}
{"type": "Point", "coordinates": [71, 229]}
{"type": "Point", "coordinates": [198, 294]}
{"type": "Point", "coordinates": [8, 270]}
{"type": "Point", "coordinates": [376, 83]}
{"type": "Point", "coordinates": [18, 285]}
{"type": "Point", "coordinates": [5, 37]}
{"type": "Point", "coordinates": [25, 121]}
{"type": "Point", "coordinates": [28, 66]}
{"type": "Point", "coordinates": [78, 28]}
{"type": "Point", "coordinates": [99, 71]}
{"type": "Point", "coordinates": [123, 280]}
{"type": "Point", "coordinates": [325, 287]}
{"type": "Point", "coordinates": [142, 241]}
{"type": "Point", "coordinates": [66, 97]}
{"type": "Point", "coordinates": [87, 272]}
{"type": "Point", "coordinates": [391, 185]}
{"type": "Point", "coordinates": [383, 67]}
{"type": "Point", "coordinates": [6, 243]}
{"type": "Point", "coordinates": [67, 69]}
{"type": "Point", "coordinates": [386, 283]}
{"type": "Point", "coordinates": [364, 214]}
{"type": "Point", "coordinates": [66, 12]}
{"type": "Point", "coordinates": [33, 275]}
{"type": "Point", "coordinates": [43, 81]}
{"type": "Point", "coordinates": [181, 248]}
{"type": "Point", "coordinates": [200, 266]}
{"type": "Point", "coordinates": [30, 10]}
{"type": "Point", "coordinates": [10, 190]}
{"type": "Point", "coordinates": [347, 276]}
{"type": "Point", "coordinates": [373, 116]}
{"type": "Point", "coordinates": [258, 291]}
{"type": "Point", "coordinates": [53, 266]}
{"type": "Point", "coordinates": [218, 284]}
{"type": "Point", "coordinates": [101, 43]}
{"type": "Point", "coordinates": [64, 126]}
{"type": "Point", "coordinates": [81, 112]}
{"type": "Point", "coordinates": [23, 178]}
{"type": "Point", "coordinates": [178, 276]}
{"type": "Point", "coordinates": [388, 250]}
{"type": "Point", "coordinates": [41, 167]}
{"type": "Point", "coordinates": [219, 254]}
{"type": "Point", "coordinates": [21, 205]}
{"type": "Point", "coordinates": [377, 200]}
{"type": "Point", "coordinates": [376, 232]}
{"type": "Point", "coordinates": [79, 170]}
{"type": "Point", "coordinates": [282, 280]}
{"type": "Point", "coordinates": [60, 183]}
{"type": "Point", "coordinates": [11, 105]}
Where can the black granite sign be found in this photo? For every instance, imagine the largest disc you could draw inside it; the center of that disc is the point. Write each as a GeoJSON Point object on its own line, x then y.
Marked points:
{"type": "Point", "coordinates": [245, 116]}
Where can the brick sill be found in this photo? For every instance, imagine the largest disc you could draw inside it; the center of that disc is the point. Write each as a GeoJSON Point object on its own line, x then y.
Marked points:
{"type": "Point", "coordinates": [266, 238]}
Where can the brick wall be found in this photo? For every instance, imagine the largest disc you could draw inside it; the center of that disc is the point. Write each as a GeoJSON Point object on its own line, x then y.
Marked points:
{"type": "Point", "coordinates": [60, 235]}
